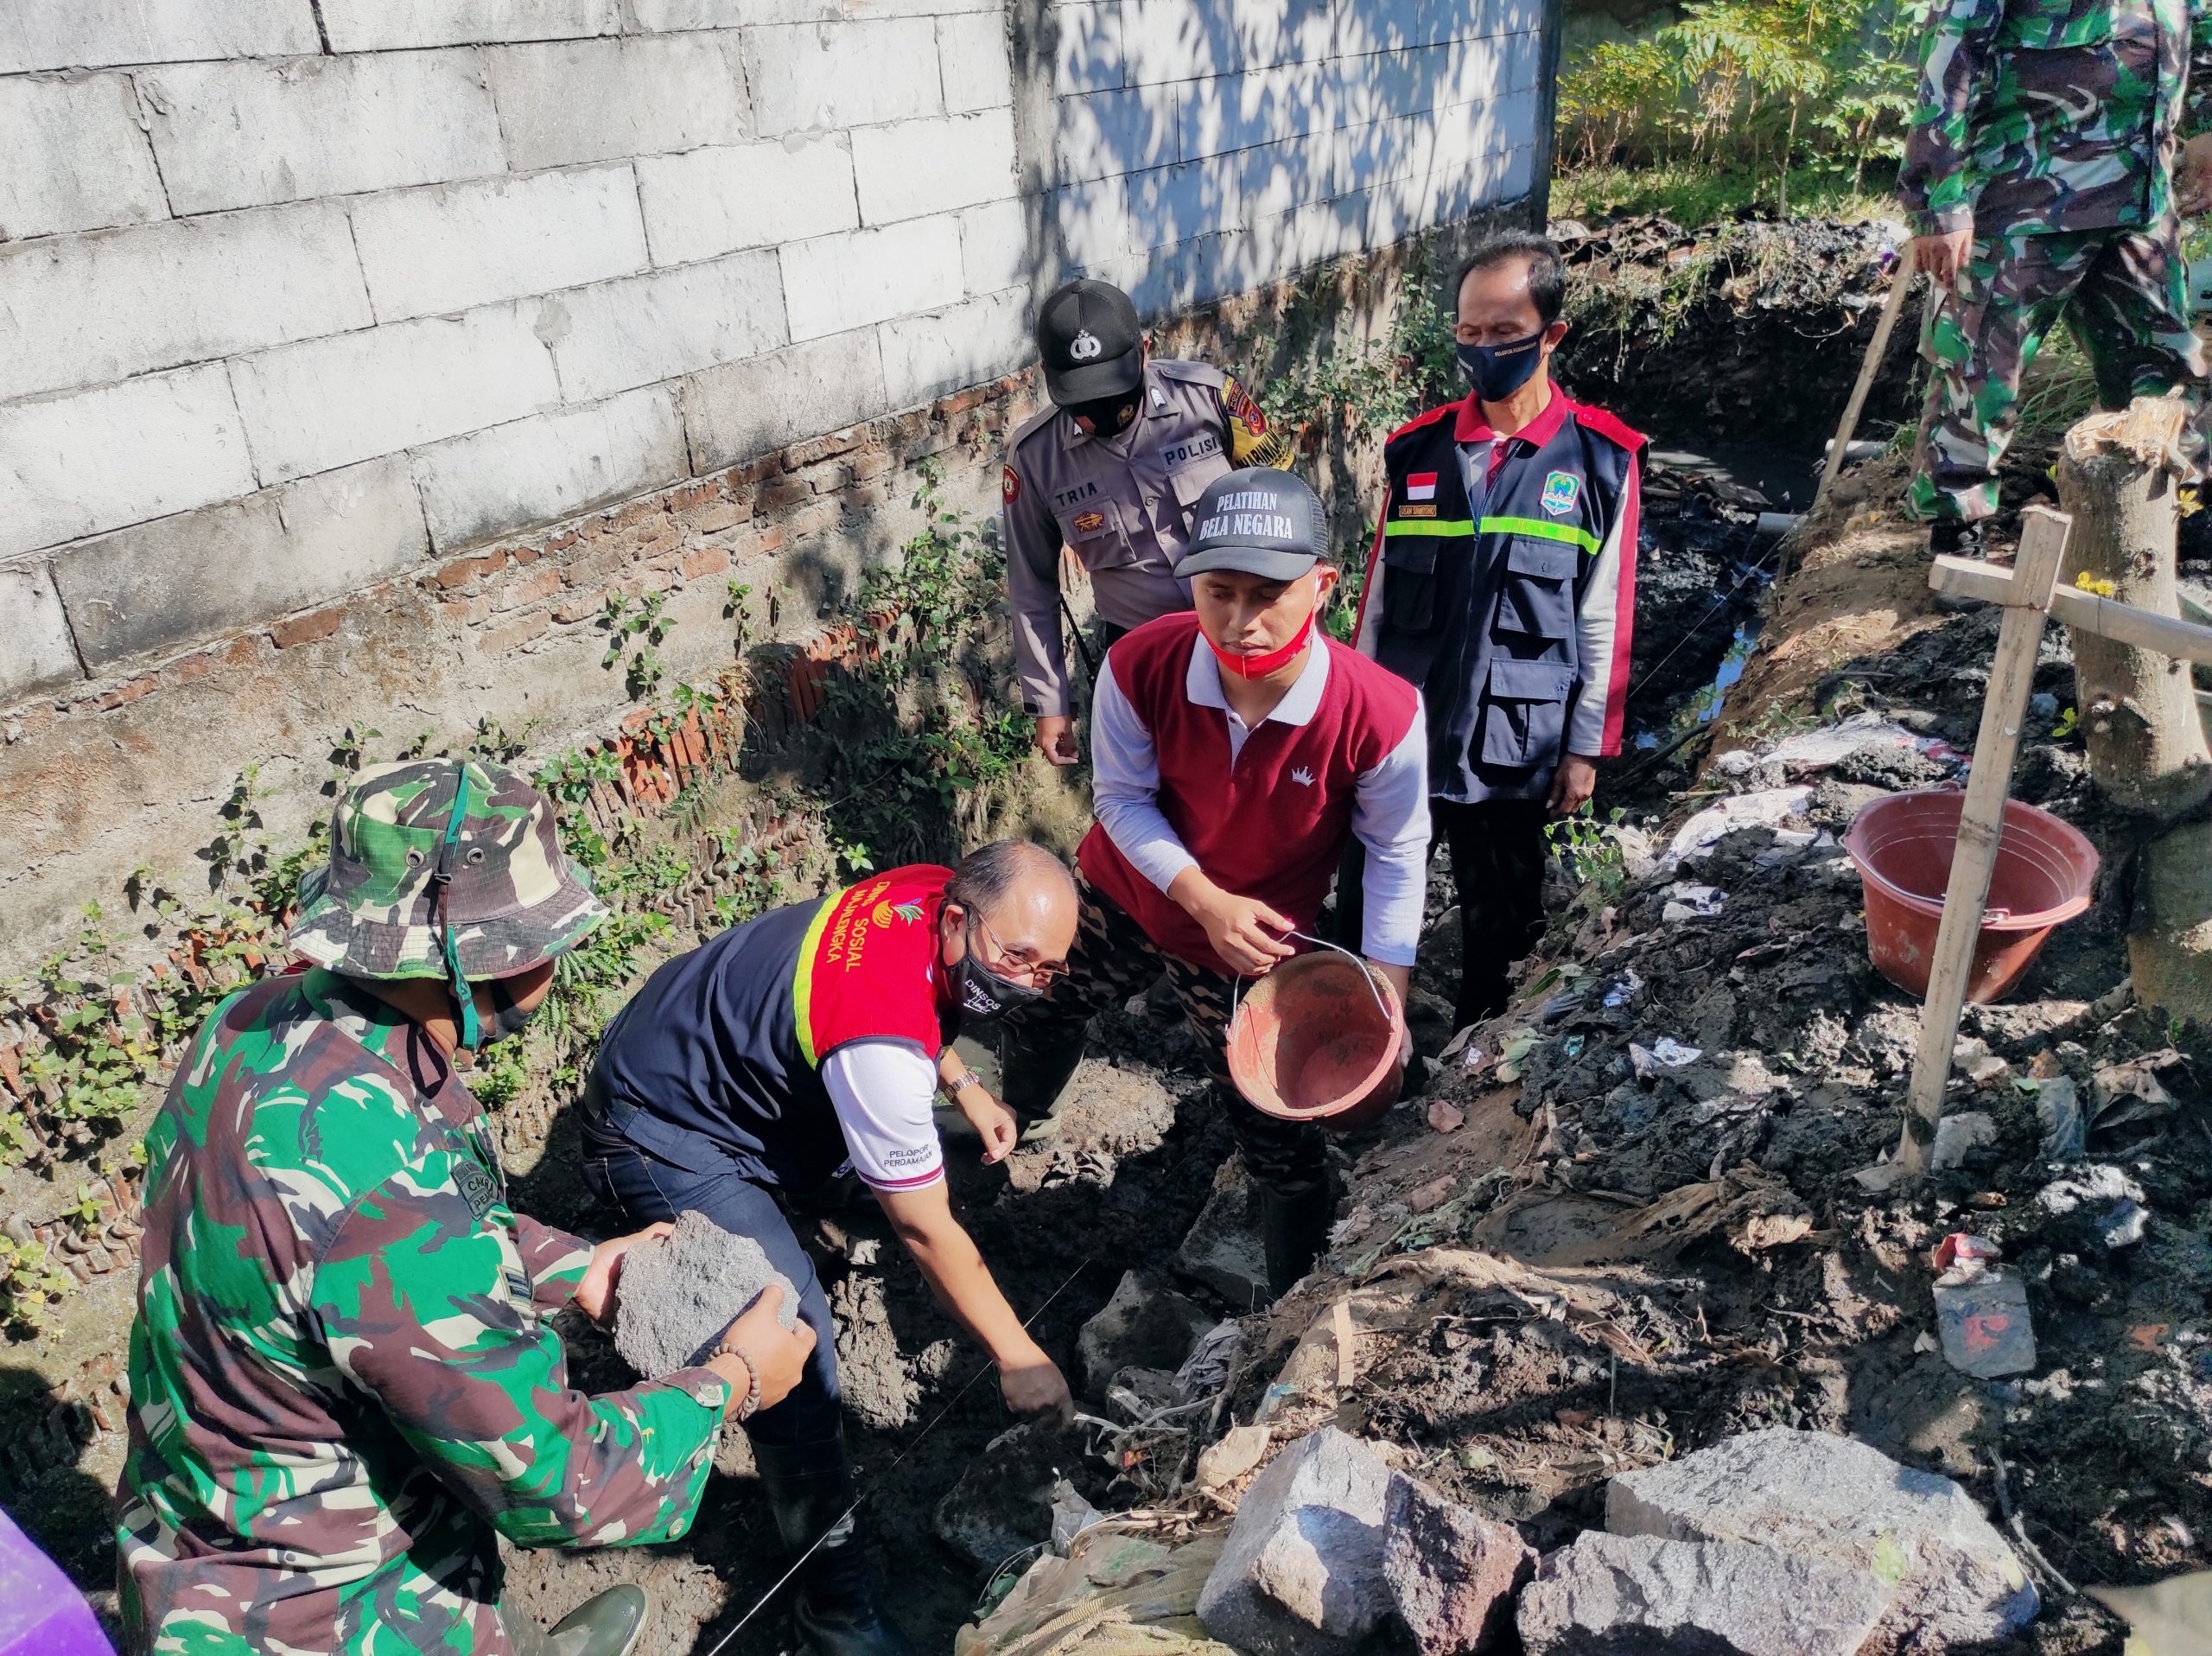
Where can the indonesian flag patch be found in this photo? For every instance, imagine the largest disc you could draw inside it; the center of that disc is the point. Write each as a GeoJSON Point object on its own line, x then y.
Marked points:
{"type": "Point", "coordinates": [1420, 486]}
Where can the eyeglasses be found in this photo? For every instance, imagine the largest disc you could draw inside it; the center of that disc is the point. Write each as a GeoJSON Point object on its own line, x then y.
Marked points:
{"type": "Point", "coordinates": [1023, 963]}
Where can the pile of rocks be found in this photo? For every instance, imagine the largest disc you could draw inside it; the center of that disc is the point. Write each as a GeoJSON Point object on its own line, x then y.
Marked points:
{"type": "Point", "coordinates": [1776, 1543]}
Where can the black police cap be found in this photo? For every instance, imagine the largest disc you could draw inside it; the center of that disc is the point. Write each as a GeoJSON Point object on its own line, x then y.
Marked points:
{"type": "Point", "coordinates": [1092, 342]}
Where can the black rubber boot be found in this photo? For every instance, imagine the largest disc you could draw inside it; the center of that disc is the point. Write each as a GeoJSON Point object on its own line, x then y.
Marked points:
{"type": "Point", "coordinates": [1954, 538]}
{"type": "Point", "coordinates": [1034, 1065]}
{"type": "Point", "coordinates": [810, 1488]}
{"type": "Point", "coordinates": [1294, 1229]}
{"type": "Point", "coordinates": [611, 1623]}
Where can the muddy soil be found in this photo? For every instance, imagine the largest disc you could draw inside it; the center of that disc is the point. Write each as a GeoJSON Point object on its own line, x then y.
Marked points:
{"type": "Point", "coordinates": [1059, 1224]}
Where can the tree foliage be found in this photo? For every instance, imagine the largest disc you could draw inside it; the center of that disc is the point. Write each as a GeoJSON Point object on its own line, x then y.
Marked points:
{"type": "Point", "coordinates": [1763, 85]}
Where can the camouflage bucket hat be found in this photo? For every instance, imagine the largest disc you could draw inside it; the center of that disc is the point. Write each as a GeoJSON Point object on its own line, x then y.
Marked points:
{"type": "Point", "coordinates": [515, 899]}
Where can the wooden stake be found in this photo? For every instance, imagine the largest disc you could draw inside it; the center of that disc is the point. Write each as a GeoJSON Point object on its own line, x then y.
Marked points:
{"type": "Point", "coordinates": [1981, 821]}
{"type": "Point", "coordinates": [1877, 348]}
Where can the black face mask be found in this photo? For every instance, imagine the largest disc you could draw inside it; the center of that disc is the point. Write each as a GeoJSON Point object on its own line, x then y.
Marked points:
{"type": "Point", "coordinates": [507, 1019]}
{"type": "Point", "coordinates": [983, 994]}
{"type": "Point", "coordinates": [1497, 371]}
{"type": "Point", "coordinates": [1109, 416]}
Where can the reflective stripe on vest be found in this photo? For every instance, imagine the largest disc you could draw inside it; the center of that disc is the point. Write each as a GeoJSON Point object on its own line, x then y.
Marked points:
{"type": "Point", "coordinates": [1536, 527]}
{"type": "Point", "coordinates": [1427, 527]}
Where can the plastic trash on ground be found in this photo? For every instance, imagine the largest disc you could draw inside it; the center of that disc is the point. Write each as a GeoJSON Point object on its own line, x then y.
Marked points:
{"type": "Point", "coordinates": [1115, 1595]}
{"type": "Point", "coordinates": [1981, 1311]}
{"type": "Point", "coordinates": [40, 1614]}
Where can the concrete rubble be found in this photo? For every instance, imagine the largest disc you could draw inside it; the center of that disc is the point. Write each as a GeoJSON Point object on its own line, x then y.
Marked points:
{"type": "Point", "coordinates": [1622, 1595]}
{"type": "Point", "coordinates": [1451, 1572]}
{"type": "Point", "coordinates": [1841, 1503]}
{"type": "Point", "coordinates": [1222, 1250]}
{"type": "Point", "coordinates": [1302, 1572]}
{"type": "Point", "coordinates": [678, 1296]}
{"type": "Point", "coordinates": [1147, 1325]}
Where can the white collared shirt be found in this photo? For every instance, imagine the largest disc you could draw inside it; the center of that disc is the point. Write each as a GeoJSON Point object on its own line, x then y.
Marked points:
{"type": "Point", "coordinates": [1390, 808]}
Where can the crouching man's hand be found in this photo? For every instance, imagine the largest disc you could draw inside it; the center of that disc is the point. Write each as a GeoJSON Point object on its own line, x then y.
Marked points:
{"type": "Point", "coordinates": [1034, 1388]}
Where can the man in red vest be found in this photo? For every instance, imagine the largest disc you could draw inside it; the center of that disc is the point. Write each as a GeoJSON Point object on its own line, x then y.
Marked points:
{"type": "Point", "coordinates": [752, 1071]}
{"type": "Point", "coordinates": [1235, 751]}
{"type": "Point", "coordinates": [1503, 585]}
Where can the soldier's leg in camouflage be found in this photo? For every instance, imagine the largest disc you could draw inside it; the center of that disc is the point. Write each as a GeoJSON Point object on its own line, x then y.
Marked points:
{"type": "Point", "coordinates": [1978, 342]}
{"type": "Point", "coordinates": [2131, 313]}
{"type": "Point", "coordinates": [1040, 1045]}
{"type": "Point", "coordinates": [612, 1623]}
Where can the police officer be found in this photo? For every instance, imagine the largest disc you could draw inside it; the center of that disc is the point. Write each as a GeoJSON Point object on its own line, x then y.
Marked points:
{"type": "Point", "coordinates": [1502, 582]}
{"type": "Point", "coordinates": [345, 1382]}
{"type": "Point", "coordinates": [2040, 181]}
{"type": "Point", "coordinates": [1111, 469]}
{"type": "Point", "coordinates": [751, 1071]}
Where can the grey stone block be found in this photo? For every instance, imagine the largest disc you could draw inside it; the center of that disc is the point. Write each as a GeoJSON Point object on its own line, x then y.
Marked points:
{"type": "Point", "coordinates": [1146, 1325]}
{"type": "Point", "coordinates": [1845, 1504]}
{"type": "Point", "coordinates": [1302, 1572]}
{"type": "Point", "coordinates": [676, 1296]}
{"type": "Point", "coordinates": [1451, 1571]}
{"type": "Point", "coordinates": [1629, 1594]}
{"type": "Point", "coordinates": [1223, 1247]}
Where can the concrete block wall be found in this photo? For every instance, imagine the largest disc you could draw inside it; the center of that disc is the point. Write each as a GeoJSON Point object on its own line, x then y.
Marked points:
{"type": "Point", "coordinates": [301, 298]}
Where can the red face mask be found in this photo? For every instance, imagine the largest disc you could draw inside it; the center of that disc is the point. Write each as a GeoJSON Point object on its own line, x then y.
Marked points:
{"type": "Point", "coordinates": [1259, 667]}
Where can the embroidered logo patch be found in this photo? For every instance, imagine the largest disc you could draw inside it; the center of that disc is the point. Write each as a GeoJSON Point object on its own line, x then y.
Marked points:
{"type": "Point", "coordinates": [1009, 485]}
{"type": "Point", "coordinates": [1420, 486]}
{"type": "Point", "coordinates": [1416, 511]}
{"type": "Point", "coordinates": [1302, 776]}
{"type": "Point", "coordinates": [1561, 492]}
{"type": "Point", "coordinates": [1089, 522]}
{"type": "Point", "coordinates": [477, 1189]}
{"type": "Point", "coordinates": [1084, 345]}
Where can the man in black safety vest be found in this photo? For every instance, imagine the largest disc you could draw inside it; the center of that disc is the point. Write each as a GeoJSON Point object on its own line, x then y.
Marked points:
{"type": "Point", "coordinates": [1503, 585]}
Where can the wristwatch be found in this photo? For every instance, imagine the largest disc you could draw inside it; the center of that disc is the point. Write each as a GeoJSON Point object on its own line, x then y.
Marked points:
{"type": "Point", "coordinates": [730, 1349]}
{"type": "Point", "coordinates": [952, 1088]}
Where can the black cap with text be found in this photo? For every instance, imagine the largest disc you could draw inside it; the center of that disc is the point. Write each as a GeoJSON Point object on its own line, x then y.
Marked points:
{"type": "Point", "coordinates": [1092, 342]}
{"type": "Point", "coordinates": [1257, 520]}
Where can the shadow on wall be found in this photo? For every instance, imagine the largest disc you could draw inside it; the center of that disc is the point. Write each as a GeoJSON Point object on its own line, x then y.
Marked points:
{"type": "Point", "coordinates": [1191, 150]}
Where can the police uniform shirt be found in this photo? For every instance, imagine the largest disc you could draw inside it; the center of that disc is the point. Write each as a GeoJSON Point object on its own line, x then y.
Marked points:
{"type": "Point", "coordinates": [1122, 504]}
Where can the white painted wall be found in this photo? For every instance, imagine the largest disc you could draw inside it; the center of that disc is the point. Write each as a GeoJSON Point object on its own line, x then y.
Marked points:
{"type": "Point", "coordinates": [289, 302]}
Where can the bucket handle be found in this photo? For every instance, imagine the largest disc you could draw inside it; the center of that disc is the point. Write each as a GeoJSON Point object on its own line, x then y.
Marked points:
{"type": "Point", "coordinates": [1366, 975]}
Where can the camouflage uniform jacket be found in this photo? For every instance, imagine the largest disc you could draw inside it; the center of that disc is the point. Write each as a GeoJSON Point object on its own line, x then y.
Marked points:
{"type": "Point", "coordinates": [2042, 116]}
{"type": "Point", "coordinates": [342, 1378]}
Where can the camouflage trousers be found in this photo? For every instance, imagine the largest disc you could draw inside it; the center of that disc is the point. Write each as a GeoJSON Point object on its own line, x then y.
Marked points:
{"type": "Point", "coordinates": [2126, 293]}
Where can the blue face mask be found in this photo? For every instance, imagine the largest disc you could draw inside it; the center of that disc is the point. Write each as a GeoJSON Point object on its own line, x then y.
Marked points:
{"type": "Point", "coordinates": [1497, 371]}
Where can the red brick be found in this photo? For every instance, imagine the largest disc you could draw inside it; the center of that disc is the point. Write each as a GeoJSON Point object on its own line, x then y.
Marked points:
{"type": "Point", "coordinates": [305, 629]}
{"type": "Point", "coordinates": [815, 450]}
{"type": "Point", "coordinates": [773, 539]}
{"type": "Point", "coordinates": [526, 556]}
{"type": "Point", "coordinates": [561, 541]}
{"type": "Point", "coordinates": [583, 607]}
{"type": "Point", "coordinates": [192, 669]}
{"type": "Point", "coordinates": [242, 650]}
{"type": "Point", "coordinates": [785, 493]}
{"type": "Point", "coordinates": [500, 640]}
{"type": "Point", "coordinates": [820, 518]}
{"type": "Point", "coordinates": [124, 694]}
{"type": "Point", "coordinates": [533, 590]}
{"type": "Point", "coordinates": [639, 512]}
{"type": "Point", "coordinates": [705, 561]}
{"type": "Point", "coordinates": [694, 494]}
{"type": "Point", "coordinates": [462, 570]}
{"type": "Point", "coordinates": [720, 515]}
{"type": "Point", "coordinates": [961, 402]}
{"type": "Point", "coordinates": [647, 546]}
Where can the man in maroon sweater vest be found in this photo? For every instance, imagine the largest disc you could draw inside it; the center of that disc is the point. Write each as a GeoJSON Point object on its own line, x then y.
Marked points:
{"type": "Point", "coordinates": [1235, 751]}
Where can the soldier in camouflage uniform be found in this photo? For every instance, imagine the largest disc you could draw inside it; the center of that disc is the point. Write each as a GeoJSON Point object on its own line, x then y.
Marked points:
{"type": "Point", "coordinates": [344, 1384]}
{"type": "Point", "coordinates": [2040, 181]}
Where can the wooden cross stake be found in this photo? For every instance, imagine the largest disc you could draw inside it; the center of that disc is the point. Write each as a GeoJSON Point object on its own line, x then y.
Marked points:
{"type": "Point", "coordinates": [2026, 596]}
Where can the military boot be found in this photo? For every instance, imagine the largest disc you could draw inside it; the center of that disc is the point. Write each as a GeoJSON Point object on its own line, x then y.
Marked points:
{"type": "Point", "coordinates": [611, 1623]}
{"type": "Point", "coordinates": [1955, 537]}
{"type": "Point", "coordinates": [810, 1489]}
{"type": "Point", "coordinates": [1034, 1068]}
{"type": "Point", "coordinates": [1293, 1230]}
